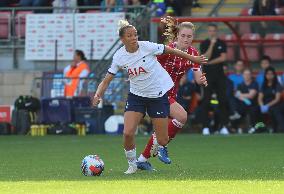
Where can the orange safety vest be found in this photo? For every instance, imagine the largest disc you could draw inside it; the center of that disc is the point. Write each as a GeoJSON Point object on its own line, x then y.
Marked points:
{"type": "Point", "coordinates": [74, 75]}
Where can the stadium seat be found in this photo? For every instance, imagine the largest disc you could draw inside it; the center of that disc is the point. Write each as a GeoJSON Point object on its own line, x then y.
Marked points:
{"type": "Point", "coordinates": [245, 12]}
{"type": "Point", "coordinates": [230, 39]}
{"type": "Point", "coordinates": [20, 24]}
{"type": "Point", "coordinates": [251, 43]}
{"type": "Point", "coordinates": [244, 28]}
{"type": "Point", "coordinates": [93, 11]}
{"type": "Point", "coordinates": [5, 24]}
{"type": "Point", "coordinates": [273, 46]}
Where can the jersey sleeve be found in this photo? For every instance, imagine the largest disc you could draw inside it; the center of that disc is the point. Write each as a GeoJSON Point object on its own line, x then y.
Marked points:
{"type": "Point", "coordinates": [114, 67]}
{"type": "Point", "coordinates": [156, 49]}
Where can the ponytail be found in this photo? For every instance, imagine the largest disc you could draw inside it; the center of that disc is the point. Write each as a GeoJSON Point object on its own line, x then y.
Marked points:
{"type": "Point", "coordinates": [173, 28]}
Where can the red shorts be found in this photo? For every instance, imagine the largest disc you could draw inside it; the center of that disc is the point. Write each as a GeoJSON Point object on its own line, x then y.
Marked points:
{"type": "Point", "coordinates": [171, 99]}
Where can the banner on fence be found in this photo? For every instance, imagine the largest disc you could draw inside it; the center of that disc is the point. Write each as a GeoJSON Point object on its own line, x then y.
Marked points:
{"type": "Point", "coordinates": [72, 31]}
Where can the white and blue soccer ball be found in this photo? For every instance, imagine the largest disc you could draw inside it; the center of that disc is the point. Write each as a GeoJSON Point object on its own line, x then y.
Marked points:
{"type": "Point", "coordinates": [92, 165]}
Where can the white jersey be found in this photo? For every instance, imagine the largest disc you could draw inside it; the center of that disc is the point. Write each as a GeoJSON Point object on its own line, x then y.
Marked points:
{"type": "Point", "coordinates": [147, 77]}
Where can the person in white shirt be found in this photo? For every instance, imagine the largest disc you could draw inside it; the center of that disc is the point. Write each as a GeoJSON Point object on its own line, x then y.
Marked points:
{"type": "Point", "coordinates": [149, 84]}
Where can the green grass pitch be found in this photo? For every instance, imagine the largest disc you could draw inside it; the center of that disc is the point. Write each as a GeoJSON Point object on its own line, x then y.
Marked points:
{"type": "Point", "coordinates": [213, 164]}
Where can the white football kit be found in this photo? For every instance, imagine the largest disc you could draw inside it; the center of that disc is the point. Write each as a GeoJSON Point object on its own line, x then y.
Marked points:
{"type": "Point", "coordinates": [147, 77]}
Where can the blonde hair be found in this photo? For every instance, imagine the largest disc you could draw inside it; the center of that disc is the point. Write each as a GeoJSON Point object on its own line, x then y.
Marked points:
{"type": "Point", "coordinates": [173, 28]}
{"type": "Point", "coordinates": [122, 26]}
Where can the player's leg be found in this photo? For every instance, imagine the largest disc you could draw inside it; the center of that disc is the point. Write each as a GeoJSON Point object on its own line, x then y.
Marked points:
{"type": "Point", "coordinates": [134, 111]}
{"type": "Point", "coordinates": [161, 130]}
{"type": "Point", "coordinates": [131, 121]}
{"type": "Point", "coordinates": [179, 118]}
{"type": "Point", "coordinates": [158, 110]}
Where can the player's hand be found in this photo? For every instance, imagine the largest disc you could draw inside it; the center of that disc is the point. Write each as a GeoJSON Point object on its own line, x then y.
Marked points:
{"type": "Point", "coordinates": [96, 100]}
{"type": "Point", "coordinates": [200, 59]}
{"type": "Point", "coordinates": [203, 79]}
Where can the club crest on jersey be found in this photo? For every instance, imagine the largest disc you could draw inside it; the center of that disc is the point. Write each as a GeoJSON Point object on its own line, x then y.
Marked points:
{"type": "Point", "coordinates": [136, 71]}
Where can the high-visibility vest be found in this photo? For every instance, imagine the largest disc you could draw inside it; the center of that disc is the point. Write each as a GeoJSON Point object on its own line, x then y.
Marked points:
{"type": "Point", "coordinates": [73, 75]}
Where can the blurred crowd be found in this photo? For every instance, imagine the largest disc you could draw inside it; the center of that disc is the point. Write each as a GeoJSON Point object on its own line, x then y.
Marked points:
{"type": "Point", "coordinates": [164, 7]}
{"type": "Point", "coordinates": [255, 99]}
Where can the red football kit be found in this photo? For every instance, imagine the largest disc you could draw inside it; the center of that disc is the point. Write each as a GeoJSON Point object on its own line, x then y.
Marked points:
{"type": "Point", "coordinates": [177, 67]}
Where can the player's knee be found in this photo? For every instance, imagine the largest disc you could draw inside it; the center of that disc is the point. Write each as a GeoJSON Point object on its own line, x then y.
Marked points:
{"type": "Point", "coordinates": [183, 119]}
{"type": "Point", "coordinates": [128, 133]}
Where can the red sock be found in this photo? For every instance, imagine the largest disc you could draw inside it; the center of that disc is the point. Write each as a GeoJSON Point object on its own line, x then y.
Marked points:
{"type": "Point", "coordinates": [147, 151]}
{"type": "Point", "coordinates": [173, 128]}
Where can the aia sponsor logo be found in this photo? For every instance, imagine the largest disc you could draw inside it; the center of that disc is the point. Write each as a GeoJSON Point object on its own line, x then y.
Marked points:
{"type": "Point", "coordinates": [136, 71]}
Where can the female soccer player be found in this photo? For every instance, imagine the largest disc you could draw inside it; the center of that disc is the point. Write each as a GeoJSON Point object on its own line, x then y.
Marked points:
{"type": "Point", "coordinates": [181, 37]}
{"type": "Point", "coordinates": [149, 84]}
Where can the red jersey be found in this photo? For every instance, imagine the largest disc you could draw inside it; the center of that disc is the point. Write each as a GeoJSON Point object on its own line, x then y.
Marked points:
{"type": "Point", "coordinates": [177, 67]}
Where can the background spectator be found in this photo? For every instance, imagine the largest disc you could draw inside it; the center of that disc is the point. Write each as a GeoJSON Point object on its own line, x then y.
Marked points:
{"type": "Point", "coordinates": [65, 5]}
{"type": "Point", "coordinates": [264, 7]}
{"type": "Point", "coordinates": [89, 2]}
{"type": "Point", "coordinates": [134, 2]}
{"type": "Point", "coordinates": [269, 100]}
{"type": "Point", "coordinates": [78, 69]}
{"type": "Point", "coordinates": [246, 98]}
{"type": "Point", "coordinates": [237, 76]}
{"type": "Point", "coordinates": [107, 4]}
{"type": "Point", "coordinates": [161, 7]}
{"type": "Point", "coordinates": [265, 62]}
{"type": "Point", "coordinates": [175, 5]}
{"type": "Point", "coordinates": [230, 92]}
{"type": "Point", "coordinates": [29, 3]}
{"type": "Point", "coordinates": [215, 50]}
{"type": "Point", "coordinates": [35, 3]}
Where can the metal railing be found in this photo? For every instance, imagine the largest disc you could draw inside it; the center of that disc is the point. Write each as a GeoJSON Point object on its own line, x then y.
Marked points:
{"type": "Point", "coordinates": [52, 84]}
{"type": "Point", "coordinates": [141, 22]}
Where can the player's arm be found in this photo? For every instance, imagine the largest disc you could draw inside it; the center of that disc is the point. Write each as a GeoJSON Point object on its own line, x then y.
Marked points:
{"type": "Point", "coordinates": [196, 59]}
{"type": "Point", "coordinates": [200, 78]}
{"type": "Point", "coordinates": [102, 88]}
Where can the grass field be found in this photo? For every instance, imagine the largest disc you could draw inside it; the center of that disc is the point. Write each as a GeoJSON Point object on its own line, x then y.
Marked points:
{"type": "Point", "coordinates": [214, 164]}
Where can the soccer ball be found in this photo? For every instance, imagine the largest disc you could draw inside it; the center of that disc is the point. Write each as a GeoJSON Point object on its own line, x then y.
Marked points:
{"type": "Point", "coordinates": [92, 165]}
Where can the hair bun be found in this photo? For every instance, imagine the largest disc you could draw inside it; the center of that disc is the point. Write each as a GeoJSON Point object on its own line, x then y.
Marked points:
{"type": "Point", "coordinates": [122, 23]}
